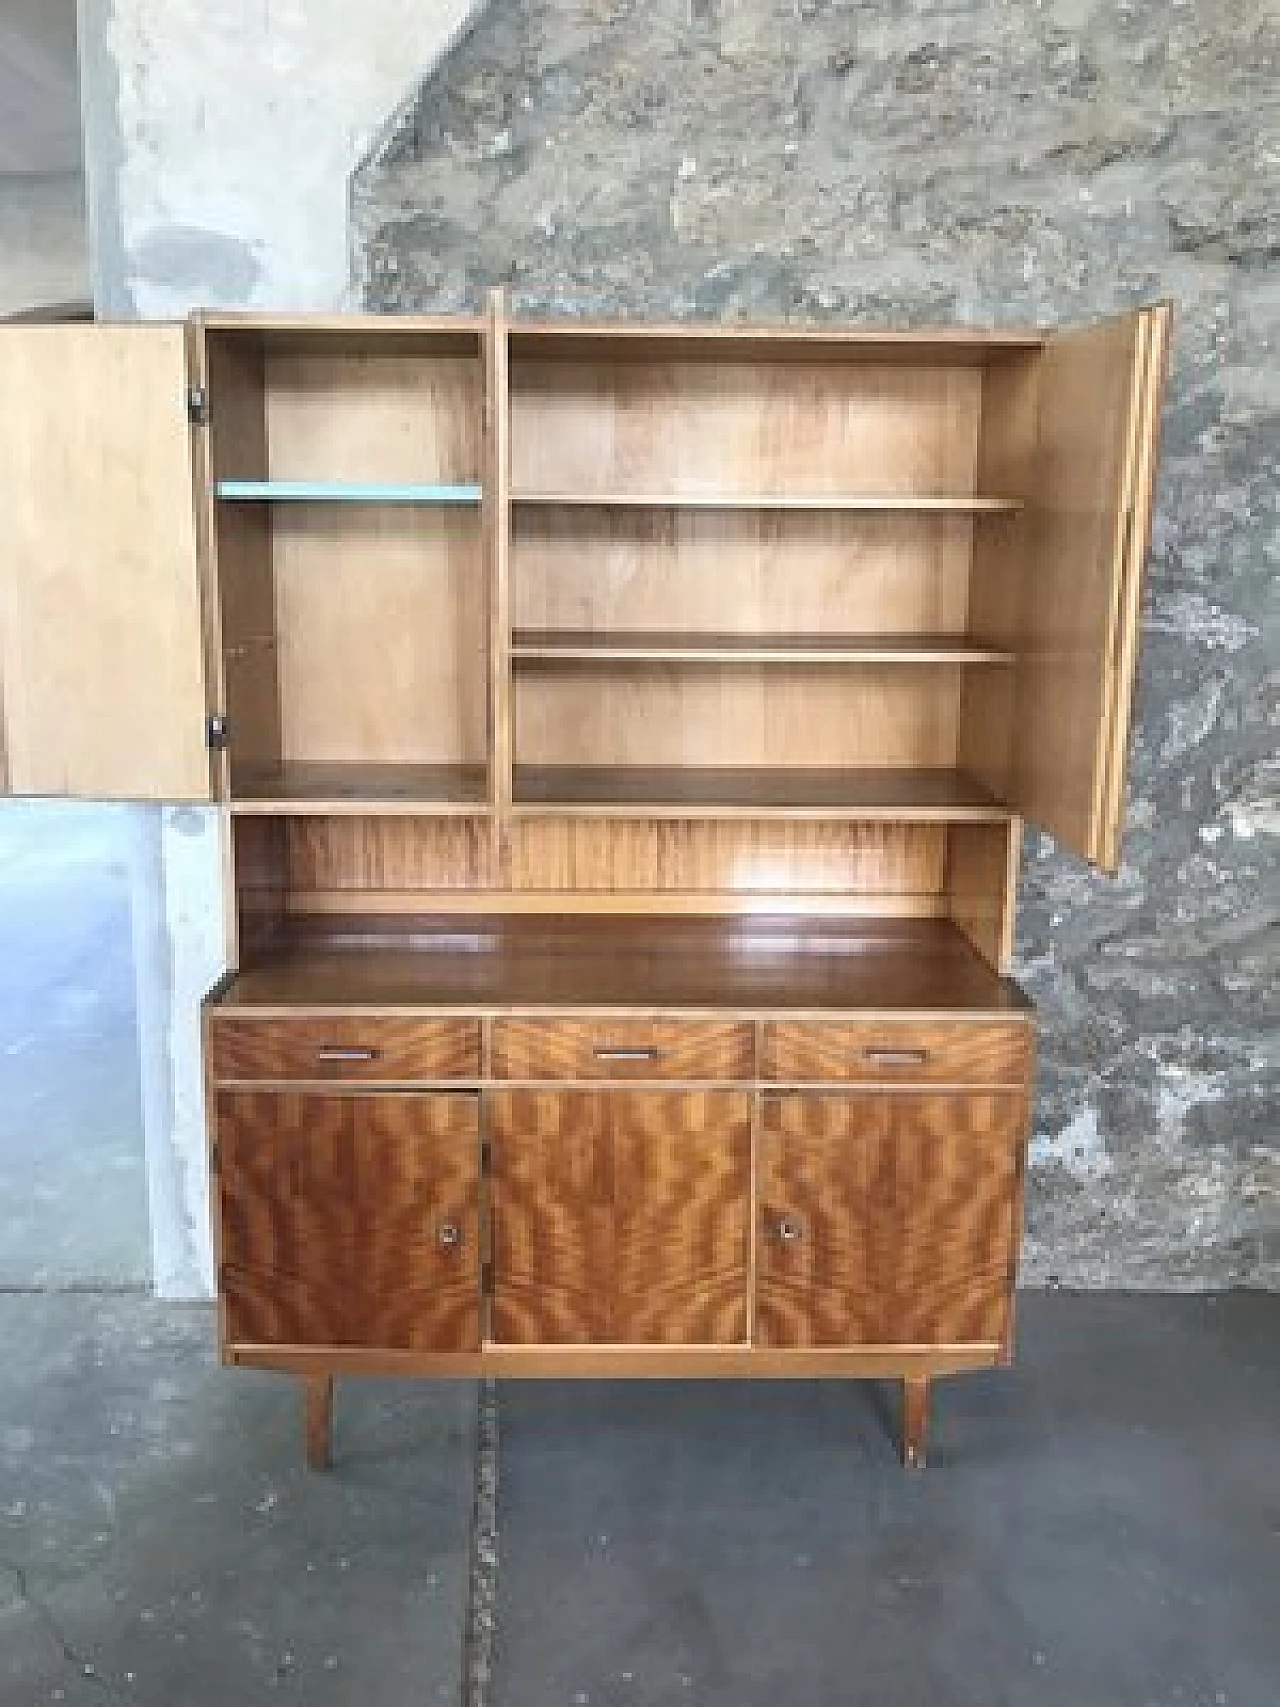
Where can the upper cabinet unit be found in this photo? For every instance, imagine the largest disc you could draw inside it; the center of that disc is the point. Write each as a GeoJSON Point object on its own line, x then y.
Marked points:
{"type": "Point", "coordinates": [465, 567]}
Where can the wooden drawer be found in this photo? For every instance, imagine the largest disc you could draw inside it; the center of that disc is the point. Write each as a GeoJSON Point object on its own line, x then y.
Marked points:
{"type": "Point", "coordinates": [969, 1052]}
{"type": "Point", "coordinates": [353, 1047]}
{"type": "Point", "coordinates": [604, 1048]}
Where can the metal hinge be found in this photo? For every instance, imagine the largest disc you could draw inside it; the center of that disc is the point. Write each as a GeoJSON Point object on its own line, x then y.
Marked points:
{"type": "Point", "coordinates": [486, 1158]}
{"type": "Point", "coordinates": [486, 1278]}
{"type": "Point", "coordinates": [217, 732]}
{"type": "Point", "coordinates": [197, 406]}
{"type": "Point", "coordinates": [215, 1156]}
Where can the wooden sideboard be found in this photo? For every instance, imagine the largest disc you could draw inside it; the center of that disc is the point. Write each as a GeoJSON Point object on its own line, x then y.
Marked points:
{"type": "Point", "coordinates": [621, 737]}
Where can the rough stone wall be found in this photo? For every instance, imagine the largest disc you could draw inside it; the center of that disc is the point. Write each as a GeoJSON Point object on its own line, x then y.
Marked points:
{"type": "Point", "coordinates": [975, 161]}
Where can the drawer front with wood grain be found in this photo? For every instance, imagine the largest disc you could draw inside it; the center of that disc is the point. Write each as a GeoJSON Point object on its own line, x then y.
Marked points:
{"type": "Point", "coordinates": [910, 1051]}
{"type": "Point", "coordinates": [363, 1049]}
{"type": "Point", "coordinates": [607, 1049]}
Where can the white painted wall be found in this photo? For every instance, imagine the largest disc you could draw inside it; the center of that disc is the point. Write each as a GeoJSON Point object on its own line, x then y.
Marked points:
{"type": "Point", "coordinates": [219, 146]}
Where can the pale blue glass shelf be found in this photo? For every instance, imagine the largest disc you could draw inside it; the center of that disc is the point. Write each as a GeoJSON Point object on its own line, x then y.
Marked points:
{"type": "Point", "coordinates": [343, 492]}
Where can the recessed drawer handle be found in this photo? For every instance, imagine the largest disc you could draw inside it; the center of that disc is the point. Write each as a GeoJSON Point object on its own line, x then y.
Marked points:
{"type": "Point", "coordinates": [339, 1052]}
{"type": "Point", "coordinates": [627, 1052]}
{"type": "Point", "coordinates": [896, 1057]}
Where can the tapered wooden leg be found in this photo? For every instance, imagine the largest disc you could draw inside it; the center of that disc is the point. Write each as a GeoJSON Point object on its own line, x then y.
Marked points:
{"type": "Point", "coordinates": [915, 1420]}
{"type": "Point", "coordinates": [318, 1399]}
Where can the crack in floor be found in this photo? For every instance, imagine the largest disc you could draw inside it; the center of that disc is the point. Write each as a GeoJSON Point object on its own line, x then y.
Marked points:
{"type": "Point", "coordinates": [83, 1667]}
{"type": "Point", "coordinates": [482, 1587]}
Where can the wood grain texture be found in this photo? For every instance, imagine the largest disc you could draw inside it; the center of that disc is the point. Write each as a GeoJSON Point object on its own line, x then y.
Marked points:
{"type": "Point", "coordinates": [348, 1047]}
{"type": "Point", "coordinates": [1127, 614]}
{"type": "Point", "coordinates": [629, 1362]}
{"type": "Point", "coordinates": [888, 1051]}
{"type": "Point", "coordinates": [801, 715]}
{"type": "Point", "coordinates": [1094, 426]}
{"type": "Point", "coordinates": [240, 542]}
{"type": "Point", "coordinates": [746, 572]}
{"type": "Point", "coordinates": [876, 792]}
{"type": "Point", "coordinates": [982, 886]}
{"type": "Point", "coordinates": [734, 856]}
{"type": "Point", "coordinates": [360, 854]}
{"type": "Point", "coordinates": [620, 1217]}
{"type": "Point", "coordinates": [317, 1403]}
{"type": "Point", "coordinates": [381, 622]}
{"type": "Point", "coordinates": [887, 1219]}
{"type": "Point", "coordinates": [742, 426]}
{"type": "Point", "coordinates": [608, 1046]}
{"type": "Point", "coordinates": [374, 413]}
{"type": "Point", "coordinates": [641, 965]}
{"type": "Point", "coordinates": [1002, 574]}
{"type": "Point", "coordinates": [258, 884]}
{"type": "Point", "coordinates": [573, 338]}
{"type": "Point", "coordinates": [339, 1215]}
{"type": "Point", "coordinates": [497, 501]}
{"type": "Point", "coordinates": [102, 669]}
{"type": "Point", "coordinates": [551, 647]}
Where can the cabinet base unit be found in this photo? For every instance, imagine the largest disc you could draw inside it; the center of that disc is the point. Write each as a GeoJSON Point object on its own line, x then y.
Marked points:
{"type": "Point", "coordinates": [598, 1146]}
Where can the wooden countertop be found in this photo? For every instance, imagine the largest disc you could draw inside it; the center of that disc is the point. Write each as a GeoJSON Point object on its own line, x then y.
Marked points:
{"type": "Point", "coordinates": [755, 966]}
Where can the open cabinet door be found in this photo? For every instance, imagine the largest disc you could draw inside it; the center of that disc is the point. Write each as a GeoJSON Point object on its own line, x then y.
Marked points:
{"type": "Point", "coordinates": [102, 672]}
{"type": "Point", "coordinates": [1088, 530]}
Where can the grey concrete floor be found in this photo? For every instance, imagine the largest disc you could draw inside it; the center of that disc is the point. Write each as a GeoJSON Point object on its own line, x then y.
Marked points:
{"type": "Point", "coordinates": [72, 1177]}
{"type": "Point", "coordinates": [161, 1543]}
{"type": "Point", "coordinates": [1100, 1527]}
{"type": "Point", "coordinates": [1101, 1524]}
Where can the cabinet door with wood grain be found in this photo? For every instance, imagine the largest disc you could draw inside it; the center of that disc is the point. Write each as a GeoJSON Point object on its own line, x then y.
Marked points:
{"type": "Point", "coordinates": [888, 1219]}
{"type": "Point", "coordinates": [620, 1217]}
{"type": "Point", "coordinates": [102, 622]}
{"type": "Point", "coordinates": [349, 1219]}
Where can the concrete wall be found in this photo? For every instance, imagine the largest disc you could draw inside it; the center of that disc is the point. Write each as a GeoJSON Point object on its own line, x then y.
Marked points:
{"type": "Point", "coordinates": [972, 160]}
{"type": "Point", "coordinates": [220, 142]}
{"type": "Point", "coordinates": [44, 252]}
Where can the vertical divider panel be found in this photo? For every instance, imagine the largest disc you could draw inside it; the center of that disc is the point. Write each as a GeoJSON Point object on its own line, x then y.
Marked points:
{"type": "Point", "coordinates": [497, 509]}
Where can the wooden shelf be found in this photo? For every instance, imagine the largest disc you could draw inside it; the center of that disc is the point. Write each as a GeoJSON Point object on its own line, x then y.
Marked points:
{"type": "Point", "coordinates": [891, 502]}
{"type": "Point", "coordinates": [918, 796]}
{"type": "Point", "coordinates": [343, 492]}
{"type": "Point", "coordinates": [614, 341]}
{"type": "Point", "coordinates": [562, 645]}
{"type": "Point", "coordinates": [873, 966]}
{"type": "Point", "coordinates": [356, 789]}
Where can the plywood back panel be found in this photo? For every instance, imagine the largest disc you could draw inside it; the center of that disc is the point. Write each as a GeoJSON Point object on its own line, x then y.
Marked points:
{"type": "Point", "coordinates": [381, 620]}
{"type": "Point", "coordinates": [742, 426]}
{"type": "Point", "coordinates": [740, 571]}
{"type": "Point", "coordinates": [739, 715]}
{"type": "Point", "coordinates": [738, 857]}
{"type": "Point", "coordinates": [379, 414]}
{"type": "Point", "coordinates": [361, 854]}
